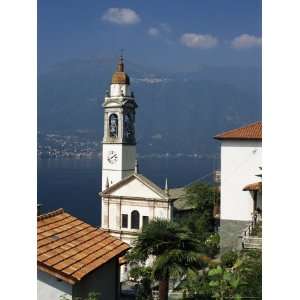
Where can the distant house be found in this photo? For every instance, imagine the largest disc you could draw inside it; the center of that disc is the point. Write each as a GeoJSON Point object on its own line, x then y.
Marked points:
{"type": "Point", "coordinates": [241, 187]}
{"type": "Point", "coordinates": [75, 258]}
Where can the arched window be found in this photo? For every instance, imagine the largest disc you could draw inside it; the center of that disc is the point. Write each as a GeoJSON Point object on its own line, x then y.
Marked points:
{"type": "Point", "coordinates": [113, 125]}
{"type": "Point", "coordinates": [135, 220]}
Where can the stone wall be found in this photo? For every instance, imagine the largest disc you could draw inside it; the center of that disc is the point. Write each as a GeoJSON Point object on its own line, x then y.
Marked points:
{"type": "Point", "coordinates": [229, 231]}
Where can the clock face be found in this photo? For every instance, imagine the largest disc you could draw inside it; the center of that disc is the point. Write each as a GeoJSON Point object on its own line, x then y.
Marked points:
{"type": "Point", "coordinates": [112, 157]}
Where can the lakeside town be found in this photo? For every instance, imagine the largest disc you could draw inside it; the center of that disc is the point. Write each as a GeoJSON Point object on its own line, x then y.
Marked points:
{"type": "Point", "coordinates": [82, 146]}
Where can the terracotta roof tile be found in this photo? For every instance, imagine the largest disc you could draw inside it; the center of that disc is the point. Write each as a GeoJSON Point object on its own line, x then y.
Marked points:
{"type": "Point", "coordinates": [249, 132]}
{"type": "Point", "coordinates": [69, 249]}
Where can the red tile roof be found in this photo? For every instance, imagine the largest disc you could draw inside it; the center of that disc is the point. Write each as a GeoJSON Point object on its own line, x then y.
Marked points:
{"type": "Point", "coordinates": [69, 249]}
{"type": "Point", "coordinates": [257, 186]}
{"type": "Point", "coordinates": [249, 132]}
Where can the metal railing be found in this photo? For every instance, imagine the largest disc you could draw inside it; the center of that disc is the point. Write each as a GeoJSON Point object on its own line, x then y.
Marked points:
{"type": "Point", "coordinates": [248, 240]}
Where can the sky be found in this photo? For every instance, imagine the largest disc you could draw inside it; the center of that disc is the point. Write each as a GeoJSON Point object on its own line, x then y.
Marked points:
{"type": "Point", "coordinates": [173, 35]}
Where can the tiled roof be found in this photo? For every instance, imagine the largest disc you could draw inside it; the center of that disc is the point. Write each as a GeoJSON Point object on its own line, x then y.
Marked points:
{"type": "Point", "coordinates": [69, 248]}
{"type": "Point", "coordinates": [181, 202]}
{"type": "Point", "coordinates": [249, 132]}
{"type": "Point", "coordinates": [257, 186]}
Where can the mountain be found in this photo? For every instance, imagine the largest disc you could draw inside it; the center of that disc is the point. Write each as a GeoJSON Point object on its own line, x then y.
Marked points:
{"type": "Point", "coordinates": [177, 113]}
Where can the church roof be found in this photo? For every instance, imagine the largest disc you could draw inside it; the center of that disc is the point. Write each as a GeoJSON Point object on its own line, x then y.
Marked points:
{"type": "Point", "coordinates": [249, 132]}
{"type": "Point", "coordinates": [142, 179]}
{"type": "Point", "coordinates": [69, 249]}
{"type": "Point", "coordinates": [120, 77]}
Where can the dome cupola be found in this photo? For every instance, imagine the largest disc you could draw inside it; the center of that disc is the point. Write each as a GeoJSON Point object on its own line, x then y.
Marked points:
{"type": "Point", "coordinates": [120, 77]}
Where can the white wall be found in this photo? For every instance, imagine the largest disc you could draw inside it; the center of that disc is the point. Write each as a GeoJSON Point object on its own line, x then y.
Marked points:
{"type": "Point", "coordinates": [135, 188]}
{"type": "Point", "coordinates": [116, 89]}
{"type": "Point", "coordinates": [50, 288]}
{"type": "Point", "coordinates": [124, 165]}
{"type": "Point", "coordinates": [240, 162]}
{"type": "Point", "coordinates": [113, 208]}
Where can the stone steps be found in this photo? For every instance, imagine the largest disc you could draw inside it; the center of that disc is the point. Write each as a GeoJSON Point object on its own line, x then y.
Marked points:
{"type": "Point", "coordinates": [252, 243]}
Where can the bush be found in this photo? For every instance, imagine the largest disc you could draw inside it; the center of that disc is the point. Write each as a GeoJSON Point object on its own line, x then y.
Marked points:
{"type": "Point", "coordinates": [228, 259]}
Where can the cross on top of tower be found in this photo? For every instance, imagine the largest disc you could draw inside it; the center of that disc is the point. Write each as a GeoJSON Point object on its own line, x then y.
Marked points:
{"type": "Point", "coordinates": [120, 67]}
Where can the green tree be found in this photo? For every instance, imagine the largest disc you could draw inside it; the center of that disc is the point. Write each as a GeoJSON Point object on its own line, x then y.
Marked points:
{"type": "Point", "coordinates": [201, 222]}
{"type": "Point", "coordinates": [224, 283]}
{"type": "Point", "coordinates": [242, 280]}
{"type": "Point", "coordinates": [143, 275]}
{"type": "Point", "coordinates": [249, 267]}
{"type": "Point", "coordinates": [91, 296]}
{"type": "Point", "coordinates": [203, 197]}
{"type": "Point", "coordinates": [238, 275]}
{"type": "Point", "coordinates": [173, 248]}
{"type": "Point", "coordinates": [195, 286]}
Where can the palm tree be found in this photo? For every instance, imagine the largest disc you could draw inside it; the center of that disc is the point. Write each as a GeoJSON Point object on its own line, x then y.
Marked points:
{"type": "Point", "coordinates": [173, 248]}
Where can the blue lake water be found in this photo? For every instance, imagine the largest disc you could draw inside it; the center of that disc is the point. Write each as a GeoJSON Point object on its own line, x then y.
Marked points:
{"type": "Point", "coordinates": [74, 184]}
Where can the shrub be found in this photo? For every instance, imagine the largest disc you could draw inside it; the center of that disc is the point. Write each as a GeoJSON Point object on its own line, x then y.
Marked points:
{"type": "Point", "coordinates": [228, 259]}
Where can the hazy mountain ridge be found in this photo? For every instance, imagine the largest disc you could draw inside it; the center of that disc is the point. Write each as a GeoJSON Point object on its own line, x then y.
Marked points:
{"type": "Point", "coordinates": [177, 112]}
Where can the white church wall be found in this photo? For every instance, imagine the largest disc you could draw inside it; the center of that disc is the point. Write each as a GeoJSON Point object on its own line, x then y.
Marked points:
{"type": "Point", "coordinates": [117, 207]}
{"type": "Point", "coordinates": [136, 188]}
{"type": "Point", "coordinates": [50, 288]}
{"type": "Point", "coordinates": [122, 167]}
{"type": "Point", "coordinates": [117, 89]}
{"type": "Point", "coordinates": [128, 157]}
{"type": "Point", "coordinates": [240, 162]}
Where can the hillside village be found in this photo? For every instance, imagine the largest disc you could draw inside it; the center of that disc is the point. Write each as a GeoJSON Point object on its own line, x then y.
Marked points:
{"type": "Point", "coordinates": [157, 242]}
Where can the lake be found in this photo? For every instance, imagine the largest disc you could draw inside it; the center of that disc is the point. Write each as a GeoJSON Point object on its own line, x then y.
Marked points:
{"type": "Point", "coordinates": [74, 184]}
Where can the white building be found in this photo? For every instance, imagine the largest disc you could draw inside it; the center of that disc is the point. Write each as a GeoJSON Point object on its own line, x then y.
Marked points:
{"type": "Point", "coordinates": [75, 259]}
{"type": "Point", "coordinates": [241, 188]}
{"type": "Point", "coordinates": [129, 200]}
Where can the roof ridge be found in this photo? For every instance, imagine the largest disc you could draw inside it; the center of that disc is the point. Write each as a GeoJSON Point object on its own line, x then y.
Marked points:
{"type": "Point", "coordinates": [238, 128]}
{"type": "Point", "coordinates": [50, 214]}
{"type": "Point", "coordinates": [225, 134]}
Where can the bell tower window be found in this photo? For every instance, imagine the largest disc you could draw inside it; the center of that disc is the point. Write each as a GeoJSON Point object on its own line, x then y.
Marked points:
{"type": "Point", "coordinates": [113, 126]}
{"type": "Point", "coordinates": [129, 126]}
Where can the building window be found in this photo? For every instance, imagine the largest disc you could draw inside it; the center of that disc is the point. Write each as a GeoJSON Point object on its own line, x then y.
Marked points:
{"type": "Point", "coordinates": [135, 220]}
{"type": "Point", "coordinates": [124, 221]}
{"type": "Point", "coordinates": [113, 125]}
{"type": "Point", "coordinates": [145, 220]}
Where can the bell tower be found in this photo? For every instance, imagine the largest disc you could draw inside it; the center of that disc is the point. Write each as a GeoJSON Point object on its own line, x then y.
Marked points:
{"type": "Point", "coordinates": [119, 145]}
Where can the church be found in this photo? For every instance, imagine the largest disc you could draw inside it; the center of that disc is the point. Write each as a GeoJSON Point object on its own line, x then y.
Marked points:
{"type": "Point", "coordinates": [129, 199]}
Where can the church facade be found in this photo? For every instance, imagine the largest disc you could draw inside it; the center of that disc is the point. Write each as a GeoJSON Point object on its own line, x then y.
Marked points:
{"type": "Point", "coordinates": [129, 199]}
